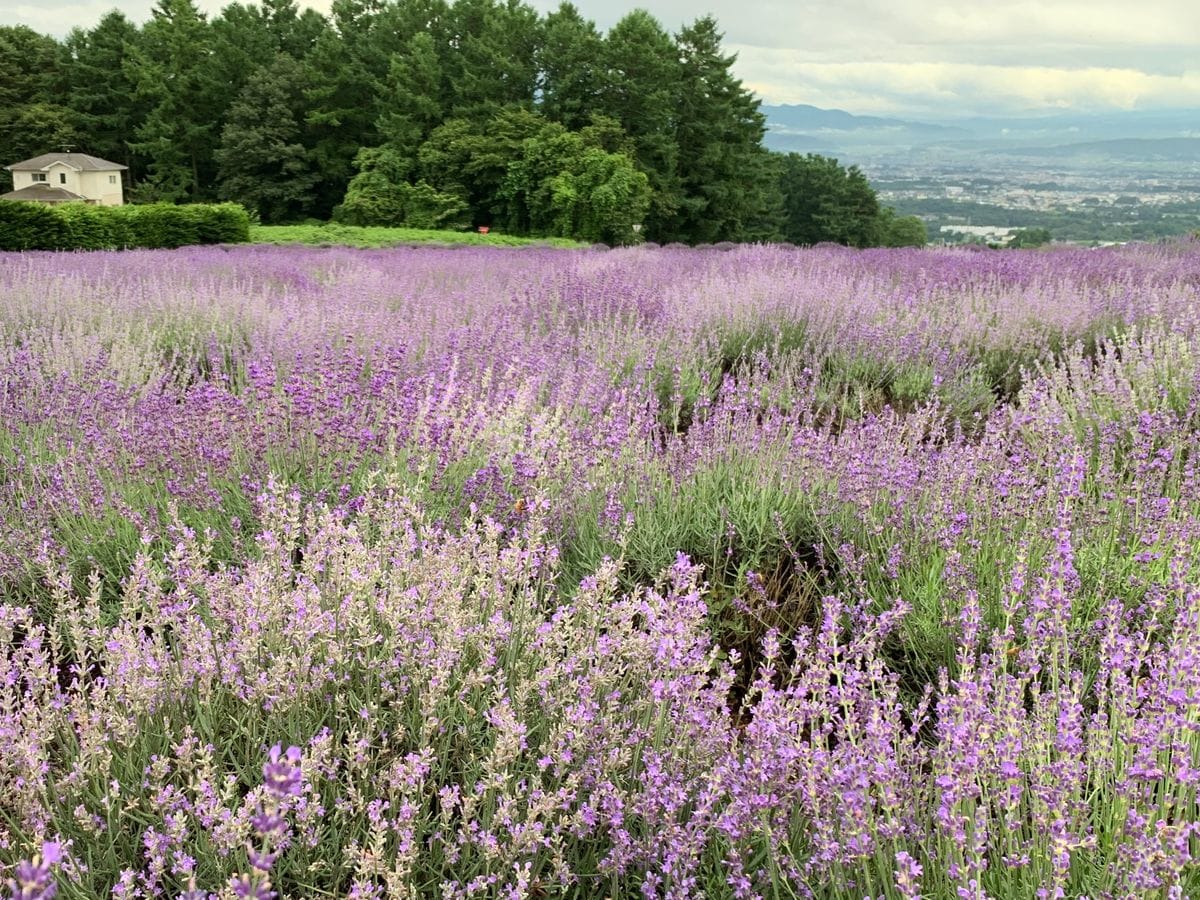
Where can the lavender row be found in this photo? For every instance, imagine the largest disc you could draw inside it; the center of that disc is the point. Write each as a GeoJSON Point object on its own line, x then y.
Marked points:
{"type": "Point", "coordinates": [748, 573]}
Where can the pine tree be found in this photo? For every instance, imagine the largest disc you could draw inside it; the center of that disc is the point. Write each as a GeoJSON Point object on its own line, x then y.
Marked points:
{"type": "Point", "coordinates": [825, 202]}
{"type": "Point", "coordinates": [102, 96]}
{"type": "Point", "coordinates": [493, 64]}
{"type": "Point", "coordinates": [639, 86]}
{"type": "Point", "coordinates": [180, 132]}
{"type": "Point", "coordinates": [569, 59]}
{"type": "Point", "coordinates": [32, 118]}
{"type": "Point", "coordinates": [349, 65]}
{"type": "Point", "coordinates": [413, 105]}
{"type": "Point", "coordinates": [262, 162]}
{"type": "Point", "coordinates": [725, 178]}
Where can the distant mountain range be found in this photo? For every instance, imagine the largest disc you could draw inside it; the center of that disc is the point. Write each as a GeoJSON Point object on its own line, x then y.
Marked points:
{"type": "Point", "coordinates": [1170, 135]}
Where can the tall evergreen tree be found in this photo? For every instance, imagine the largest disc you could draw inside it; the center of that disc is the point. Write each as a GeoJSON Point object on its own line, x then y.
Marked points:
{"type": "Point", "coordinates": [639, 86]}
{"type": "Point", "coordinates": [825, 202]}
{"type": "Point", "coordinates": [569, 59]}
{"type": "Point", "coordinates": [414, 103]}
{"type": "Point", "coordinates": [102, 94]}
{"type": "Point", "coordinates": [350, 64]}
{"type": "Point", "coordinates": [261, 161]}
{"type": "Point", "coordinates": [170, 66]}
{"type": "Point", "coordinates": [493, 63]}
{"type": "Point", "coordinates": [32, 117]}
{"type": "Point", "coordinates": [725, 180]}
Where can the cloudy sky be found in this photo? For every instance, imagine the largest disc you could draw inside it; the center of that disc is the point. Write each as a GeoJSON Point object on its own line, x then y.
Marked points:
{"type": "Point", "coordinates": [931, 58]}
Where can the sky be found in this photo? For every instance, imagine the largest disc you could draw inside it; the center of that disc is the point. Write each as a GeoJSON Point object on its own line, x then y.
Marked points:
{"type": "Point", "coordinates": [935, 59]}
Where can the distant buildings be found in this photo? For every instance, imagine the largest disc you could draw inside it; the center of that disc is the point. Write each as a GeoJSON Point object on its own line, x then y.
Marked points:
{"type": "Point", "coordinates": [67, 178]}
{"type": "Point", "coordinates": [983, 232]}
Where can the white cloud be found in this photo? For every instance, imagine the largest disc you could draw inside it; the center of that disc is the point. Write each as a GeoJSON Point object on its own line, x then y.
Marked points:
{"type": "Point", "coordinates": [785, 76]}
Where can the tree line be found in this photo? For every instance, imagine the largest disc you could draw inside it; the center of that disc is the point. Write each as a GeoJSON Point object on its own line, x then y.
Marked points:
{"type": "Point", "coordinates": [433, 113]}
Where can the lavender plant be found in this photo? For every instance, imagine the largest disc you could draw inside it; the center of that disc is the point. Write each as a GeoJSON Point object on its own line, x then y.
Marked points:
{"type": "Point", "coordinates": [756, 573]}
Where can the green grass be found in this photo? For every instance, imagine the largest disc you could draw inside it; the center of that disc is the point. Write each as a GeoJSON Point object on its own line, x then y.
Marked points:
{"type": "Point", "coordinates": [356, 236]}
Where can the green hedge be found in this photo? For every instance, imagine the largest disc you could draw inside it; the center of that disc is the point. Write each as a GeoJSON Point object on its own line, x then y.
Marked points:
{"type": "Point", "coordinates": [77, 226]}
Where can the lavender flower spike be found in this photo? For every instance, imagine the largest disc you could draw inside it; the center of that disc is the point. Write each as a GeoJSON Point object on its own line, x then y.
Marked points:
{"type": "Point", "coordinates": [283, 779]}
{"type": "Point", "coordinates": [35, 877]}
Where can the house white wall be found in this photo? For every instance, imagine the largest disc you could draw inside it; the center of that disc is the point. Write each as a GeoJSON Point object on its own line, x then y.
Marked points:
{"type": "Point", "coordinates": [103, 188]}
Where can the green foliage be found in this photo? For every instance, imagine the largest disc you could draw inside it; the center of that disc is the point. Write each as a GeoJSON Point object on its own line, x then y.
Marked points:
{"type": "Point", "coordinates": [262, 163]}
{"type": "Point", "coordinates": [601, 197]}
{"type": "Point", "coordinates": [570, 60]}
{"type": "Point", "coordinates": [415, 95]}
{"type": "Point", "coordinates": [78, 226]}
{"type": "Point", "coordinates": [30, 82]}
{"type": "Point", "coordinates": [94, 227]}
{"type": "Point", "coordinates": [901, 231]}
{"type": "Point", "coordinates": [725, 178]}
{"type": "Point", "coordinates": [639, 88]}
{"type": "Point", "coordinates": [562, 186]}
{"type": "Point", "coordinates": [31, 226]}
{"type": "Point", "coordinates": [379, 195]}
{"type": "Point", "coordinates": [102, 96]}
{"type": "Point", "coordinates": [825, 202]}
{"type": "Point", "coordinates": [1028, 238]}
{"type": "Point", "coordinates": [180, 131]}
{"type": "Point", "coordinates": [355, 236]}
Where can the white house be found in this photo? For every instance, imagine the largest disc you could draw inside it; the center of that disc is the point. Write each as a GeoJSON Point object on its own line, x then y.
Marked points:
{"type": "Point", "coordinates": [65, 178]}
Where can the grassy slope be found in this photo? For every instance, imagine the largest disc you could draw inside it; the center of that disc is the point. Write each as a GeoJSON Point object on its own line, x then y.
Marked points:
{"type": "Point", "coordinates": [354, 236]}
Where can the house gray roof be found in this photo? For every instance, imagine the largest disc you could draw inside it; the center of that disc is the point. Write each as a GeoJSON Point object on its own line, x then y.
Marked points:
{"type": "Point", "coordinates": [43, 193]}
{"type": "Point", "coordinates": [80, 161]}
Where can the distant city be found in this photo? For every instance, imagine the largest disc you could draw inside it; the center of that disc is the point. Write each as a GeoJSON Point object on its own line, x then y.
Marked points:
{"type": "Point", "coordinates": [1091, 180]}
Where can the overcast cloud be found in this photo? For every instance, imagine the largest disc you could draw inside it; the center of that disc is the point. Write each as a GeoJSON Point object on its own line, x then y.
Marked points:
{"type": "Point", "coordinates": [913, 57]}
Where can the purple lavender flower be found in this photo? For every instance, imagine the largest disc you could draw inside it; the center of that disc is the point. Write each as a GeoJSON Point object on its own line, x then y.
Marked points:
{"type": "Point", "coordinates": [252, 887]}
{"type": "Point", "coordinates": [283, 778]}
{"type": "Point", "coordinates": [35, 877]}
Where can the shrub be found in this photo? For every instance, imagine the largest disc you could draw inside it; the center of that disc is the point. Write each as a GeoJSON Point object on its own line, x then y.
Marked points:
{"type": "Point", "coordinates": [77, 226]}
{"type": "Point", "coordinates": [31, 226]}
{"type": "Point", "coordinates": [93, 227]}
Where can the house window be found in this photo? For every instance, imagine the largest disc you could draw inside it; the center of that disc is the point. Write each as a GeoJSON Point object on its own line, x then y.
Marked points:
{"type": "Point", "coordinates": [112, 179]}
{"type": "Point", "coordinates": [62, 177]}
{"type": "Point", "coordinates": [39, 176]}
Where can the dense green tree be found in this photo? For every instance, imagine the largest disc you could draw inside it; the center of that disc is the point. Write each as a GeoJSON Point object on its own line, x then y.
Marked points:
{"type": "Point", "coordinates": [825, 202]}
{"type": "Point", "coordinates": [380, 195]}
{"type": "Point", "coordinates": [102, 95]}
{"type": "Point", "coordinates": [180, 133]}
{"type": "Point", "coordinates": [350, 64]}
{"type": "Point", "coordinates": [471, 160]}
{"type": "Point", "coordinates": [725, 178]}
{"type": "Point", "coordinates": [415, 102]}
{"type": "Point", "coordinates": [1029, 237]}
{"type": "Point", "coordinates": [493, 64]}
{"type": "Point", "coordinates": [262, 163]}
{"type": "Point", "coordinates": [30, 90]}
{"type": "Point", "coordinates": [35, 128]}
{"type": "Point", "coordinates": [601, 197]}
{"type": "Point", "coordinates": [901, 231]}
{"type": "Point", "coordinates": [639, 87]}
{"type": "Point", "coordinates": [569, 59]}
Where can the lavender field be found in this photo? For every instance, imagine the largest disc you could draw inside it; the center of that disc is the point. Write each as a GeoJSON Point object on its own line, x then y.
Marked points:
{"type": "Point", "coordinates": [576, 573]}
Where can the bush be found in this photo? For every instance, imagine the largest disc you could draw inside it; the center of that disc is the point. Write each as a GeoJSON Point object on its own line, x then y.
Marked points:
{"type": "Point", "coordinates": [77, 226]}
{"type": "Point", "coordinates": [92, 227]}
{"type": "Point", "coordinates": [31, 226]}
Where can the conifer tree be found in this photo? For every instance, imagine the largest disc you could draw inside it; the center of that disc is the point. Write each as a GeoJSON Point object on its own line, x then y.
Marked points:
{"type": "Point", "coordinates": [170, 68]}
{"type": "Point", "coordinates": [569, 59]}
{"type": "Point", "coordinates": [262, 163]}
{"type": "Point", "coordinates": [639, 86]}
{"type": "Point", "coordinates": [101, 95]}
